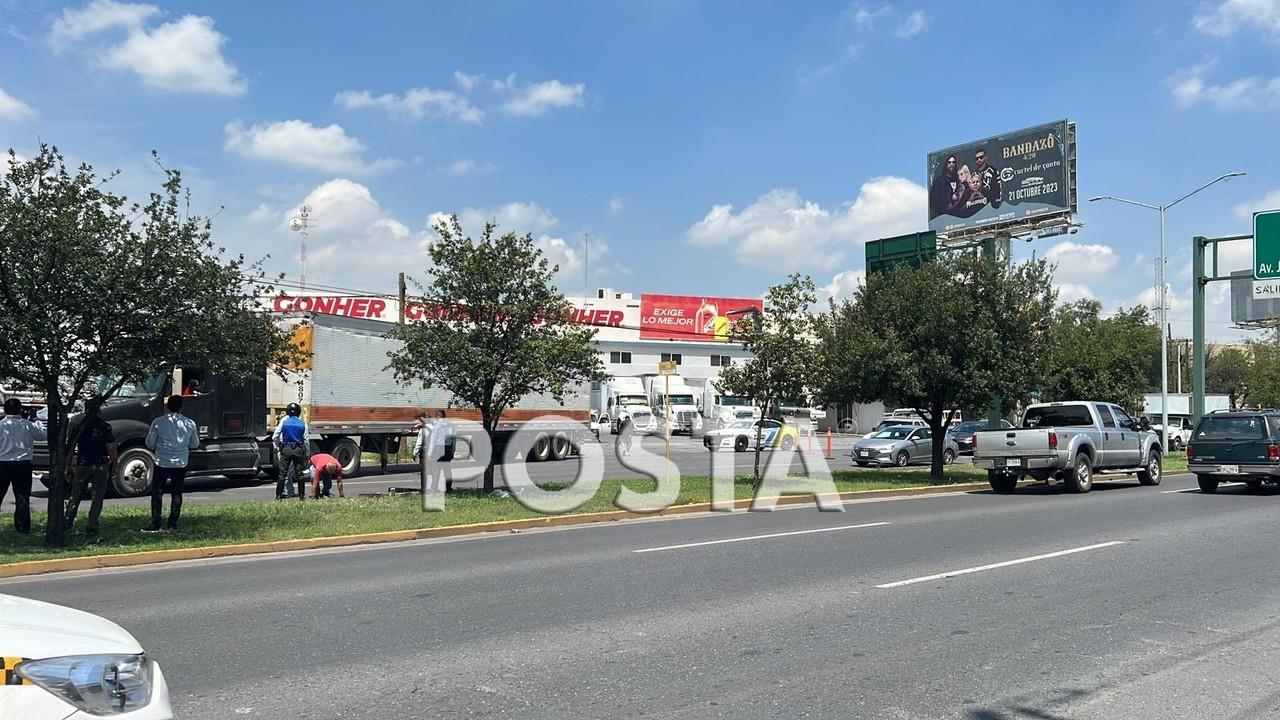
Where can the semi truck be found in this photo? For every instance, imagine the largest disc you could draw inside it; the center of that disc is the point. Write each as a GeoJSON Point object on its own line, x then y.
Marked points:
{"type": "Point", "coordinates": [619, 397]}
{"type": "Point", "coordinates": [349, 397]}
{"type": "Point", "coordinates": [720, 409]}
{"type": "Point", "coordinates": [670, 395]}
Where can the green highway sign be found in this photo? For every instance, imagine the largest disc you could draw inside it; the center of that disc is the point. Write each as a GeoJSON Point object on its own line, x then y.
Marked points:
{"type": "Point", "coordinates": [914, 248]}
{"type": "Point", "coordinates": [1266, 245]}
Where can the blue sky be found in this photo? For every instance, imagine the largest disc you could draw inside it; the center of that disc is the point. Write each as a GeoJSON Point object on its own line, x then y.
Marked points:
{"type": "Point", "coordinates": [706, 147]}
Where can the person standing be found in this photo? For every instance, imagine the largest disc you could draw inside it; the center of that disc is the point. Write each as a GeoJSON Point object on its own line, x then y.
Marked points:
{"type": "Point", "coordinates": [326, 468]}
{"type": "Point", "coordinates": [422, 447]}
{"type": "Point", "coordinates": [626, 431]}
{"type": "Point", "coordinates": [96, 462]}
{"type": "Point", "coordinates": [18, 437]}
{"type": "Point", "coordinates": [172, 438]}
{"type": "Point", "coordinates": [293, 446]}
{"type": "Point", "coordinates": [444, 440]}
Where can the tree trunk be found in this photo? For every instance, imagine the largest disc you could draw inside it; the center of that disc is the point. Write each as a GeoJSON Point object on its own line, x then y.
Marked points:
{"type": "Point", "coordinates": [938, 433]}
{"type": "Point", "coordinates": [755, 474]}
{"type": "Point", "coordinates": [493, 455]}
{"type": "Point", "coordinates": [56, 507]}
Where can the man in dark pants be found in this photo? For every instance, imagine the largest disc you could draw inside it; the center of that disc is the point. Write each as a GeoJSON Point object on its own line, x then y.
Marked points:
{"type": "Point", "coordinates": [172, 437]}
{"type": "Point", "coordinates": [18, 437]}
{"type": "Point", "coordinates": [96, 460]}
{"type": "Point", "coordinates": [293, 447]}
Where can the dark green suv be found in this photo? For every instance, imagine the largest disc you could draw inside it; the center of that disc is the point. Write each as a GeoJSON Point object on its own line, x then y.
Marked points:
{"type": "Point", "coordinates": [1236, 446]}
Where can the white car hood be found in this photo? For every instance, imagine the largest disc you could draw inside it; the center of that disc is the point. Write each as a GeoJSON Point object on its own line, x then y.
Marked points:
{"type": "Point", "coordinates": [33, 629]}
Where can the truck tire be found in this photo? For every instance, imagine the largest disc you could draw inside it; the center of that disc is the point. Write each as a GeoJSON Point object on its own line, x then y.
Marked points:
{"type": "Point", "coordinates": [134, 472]}
{"type": "Point", "coordinates": [541, 449]}
{"type": "Point", "coordinates": [1253, 485]}
{"type": "Point", "coordinates": [1176, 444]}
{"type": "Point", "coordinates": [347, 452]}
{"type": "Point", "coordinates": [561, 446]}
{"type": "Point", "coordinates": [1080, 476]}
{"type": "Point", "coordinates": [1152, 472]}
{"type": "Point", "coordinates": [1208, 483]}
{"type": "Point", "coordinates": [1003, 483]}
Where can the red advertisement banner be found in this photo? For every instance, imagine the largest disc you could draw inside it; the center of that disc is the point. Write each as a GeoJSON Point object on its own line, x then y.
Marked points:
{"type": "Point", "coordinates": [691, 317]}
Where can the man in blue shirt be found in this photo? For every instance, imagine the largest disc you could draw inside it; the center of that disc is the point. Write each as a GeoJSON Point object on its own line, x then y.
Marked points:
{"type": "Point", "coordinates": [17, 445]}
{"type": "Point", "coordinates": [293, 446]}
{"type": "Point", "coordinates": [172, 437]}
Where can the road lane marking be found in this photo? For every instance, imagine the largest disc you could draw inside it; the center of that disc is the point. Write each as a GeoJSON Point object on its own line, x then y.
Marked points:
{"type": "Point", "coordinates": [1196, 489]}
{"type": "Point", "coordinates": [758, 537]}
{"type": "Point", "coordinates": [993, 566]}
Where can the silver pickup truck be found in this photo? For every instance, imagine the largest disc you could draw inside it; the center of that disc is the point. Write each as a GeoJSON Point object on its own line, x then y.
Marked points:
{"type": "Point", "coordinates": [1068, 442]}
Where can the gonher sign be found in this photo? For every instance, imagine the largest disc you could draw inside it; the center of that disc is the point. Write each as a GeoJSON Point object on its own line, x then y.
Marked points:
{"type": "Point", "coordinates": [691, 317]}
{"type": "Point", "coordinates": [388, 310]}
{"type": "Point", "coordinates": [1266, 245]}
{"type": "Point", "coordinates": [1015, 178]}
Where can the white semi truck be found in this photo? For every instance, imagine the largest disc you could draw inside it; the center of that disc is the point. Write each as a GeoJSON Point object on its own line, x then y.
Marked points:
{"type": "Point", "coordinates": [620, 397]}
{"type": "Point", "coordinates": [671, 395]}
{"type": "Point", "coordinates": [720, 409]}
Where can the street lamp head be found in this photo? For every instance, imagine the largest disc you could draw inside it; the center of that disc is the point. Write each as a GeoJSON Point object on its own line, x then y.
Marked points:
{"type": "Point", "coordinates": [1235, 174]}
{"type": "Point", "coordinates": [1096, 198]}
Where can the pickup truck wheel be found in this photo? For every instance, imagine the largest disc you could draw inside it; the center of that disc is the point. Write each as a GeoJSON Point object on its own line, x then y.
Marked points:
{"type": "Point", "coordinates": [902, 459]}
{"type": "Point", "coordinates": [1080, 478]}
{"type": "Point", "coordinates": [1253, 485]}
{"type": "Point", "coordinates": [1002, 483]}
{"type": "Point", "coordinates": [1176, 444]}
{"type": "Point", "coordinates": [948, 456]}
{"type": "Point", "coordinates": [1151, 473]}
{"type": "Point", "coordinates": [1208, 483]}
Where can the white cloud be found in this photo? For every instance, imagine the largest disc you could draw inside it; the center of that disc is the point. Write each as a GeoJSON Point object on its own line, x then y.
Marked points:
{"type": "Point", "coordinates": [842, 286]}
{"type": "Point", "coordinates": [414, 104]}
{"type": "Point", "coordinates": [615, 204]}
{"type": "Point", "coordinates": [1270, 201]}
{"type": "Point", "coordinates": [781, 231]}
{"type": "Point", "coordinates": [1071, 292]}
{"type": "Point", "coordinates": [96, 17]}
{"type": "Point", "coordinates": [1190, 87]}
{"type": "Point", "coordinates": [467, 166]}
{"type": "Point", "coordinates": [866, 17]}
{"type": "Point", "coordinates": [539, 98]}
{"type": "Point", "coordinates": [465, 81]}
{"type": "Point", "coordinates": [11, 108]}
{"type": "Point", "coordinates": [1228, 16]}
{"type": "Point", "coordinates": [518, 217]}
{"type": "Point", "coordinates": [912, 25]}
{"type": "Point", "coordinates": [1081, 263]}
{"type": "Point", "coordinates": [300, 144]}
{"type": "Point", "coordinates": [183, 56]}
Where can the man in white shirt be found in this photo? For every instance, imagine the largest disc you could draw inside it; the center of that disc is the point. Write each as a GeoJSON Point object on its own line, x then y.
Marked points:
{"type": "Point", "coordinates": [18, 437]}
{"type": "Point", "coordinates": [172, 437]}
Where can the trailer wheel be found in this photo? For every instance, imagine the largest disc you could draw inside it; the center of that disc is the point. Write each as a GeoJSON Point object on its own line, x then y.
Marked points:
{"type": "Point", "coordinates": [347, 452]}
{"type": "Point", "coordinates": [561, 446]}
{"type": "Point", "coordinates": [135, 469]}
{"type": "Point", "coordinates": [541, 449]}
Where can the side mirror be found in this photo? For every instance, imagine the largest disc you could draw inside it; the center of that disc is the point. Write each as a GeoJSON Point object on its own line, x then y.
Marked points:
{"type": "Point", "coordinates": [1144, 424]}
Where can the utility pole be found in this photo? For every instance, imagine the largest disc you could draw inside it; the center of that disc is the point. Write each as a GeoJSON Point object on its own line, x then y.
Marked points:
{"type": "Point", "coordinates": [401, 293]}
{"type": "Point", "coordinates": [586, 265]}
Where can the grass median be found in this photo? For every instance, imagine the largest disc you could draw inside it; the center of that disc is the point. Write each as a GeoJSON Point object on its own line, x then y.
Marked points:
{"type": "Point", "coordinates": [208, 524]}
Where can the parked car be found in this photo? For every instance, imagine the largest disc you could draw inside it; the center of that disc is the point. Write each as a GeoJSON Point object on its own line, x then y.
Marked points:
{"type": "Point", "coordinates": [740, 435]}
{"type": "Point", "coordinates": [64, 664]}
{"type": "Point", "coordinates": [1069, 441]}
{"type": "Point", "coordinates": [900, 445]}
{"type": "Point", "coordinates": [890, 422]}
{"type": "Point", "coordinates": [964, 432]}
{"type": "Point", "coordinates": [1236, 446]}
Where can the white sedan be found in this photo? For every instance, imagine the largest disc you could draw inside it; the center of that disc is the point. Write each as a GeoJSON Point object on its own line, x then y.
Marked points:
{"type": "Point", "coordinates": [740, 435]}
{"type": "Point", "coordinates": [64, 664]}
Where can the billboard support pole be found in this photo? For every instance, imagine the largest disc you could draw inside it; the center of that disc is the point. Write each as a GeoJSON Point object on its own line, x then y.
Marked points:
{"type": "Point", "coordinates": [991, 249]}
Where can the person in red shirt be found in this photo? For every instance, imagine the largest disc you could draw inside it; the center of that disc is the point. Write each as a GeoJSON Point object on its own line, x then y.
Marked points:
{"type": "Point", "coordinates": [327, 467]}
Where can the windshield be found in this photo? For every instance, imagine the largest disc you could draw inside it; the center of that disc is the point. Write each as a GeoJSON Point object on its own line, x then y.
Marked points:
{"type": "Point", "coordinates": [740, 425]}
{"type": "Point", "coordinates": [1231, 428]}
{"type": "Point", "coordinates": [633, 400]}
{"type": "Point", "coordinates": [971, 426]}
{"type": "Point", "coordinates": [681, 399]}
{"type": "Point", "coordinates": [1058, 416]}
{"type": "Point", "coordinates": [146, 389]}
{"type": "Point", "coordinates": [894, 433]}
{"type": "Point", "coordinates": [732, 400]}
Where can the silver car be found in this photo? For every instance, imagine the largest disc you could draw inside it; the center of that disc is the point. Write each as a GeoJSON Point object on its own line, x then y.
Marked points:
{"type": "Point", "coordinates": [901, 445]}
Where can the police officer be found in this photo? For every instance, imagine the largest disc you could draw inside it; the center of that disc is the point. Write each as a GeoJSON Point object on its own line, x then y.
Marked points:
{"type": "Point", "coordinates": [293, 446]}
{"type": "Point", "coordinates": [18, 437]}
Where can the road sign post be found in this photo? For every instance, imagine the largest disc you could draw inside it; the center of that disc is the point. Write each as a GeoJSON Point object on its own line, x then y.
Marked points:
{"type": "Point", "coordinates": [1266, 245]}
{"type": "Point", "coordinates": [667, 368]}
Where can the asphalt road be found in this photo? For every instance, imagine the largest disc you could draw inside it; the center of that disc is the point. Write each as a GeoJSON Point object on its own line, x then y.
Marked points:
{"type": "Point", "coordinates": [1128, 602]}
{"type": "Point", "coordinates": [688, 454]}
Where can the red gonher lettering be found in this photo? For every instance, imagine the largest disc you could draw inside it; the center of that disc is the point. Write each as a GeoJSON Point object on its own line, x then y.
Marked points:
{"type": "Point", "coordinates": [376, 308]}
{"type": "Point", "coordinates": [360, 308]}
{"type": "Point", "coordinates": [615, 318]}
{"type": "Point", "coordinates": [283, 303]}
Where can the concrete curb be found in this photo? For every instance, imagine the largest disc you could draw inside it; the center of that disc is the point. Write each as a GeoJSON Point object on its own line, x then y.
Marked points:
{"type": "Point", "coordinates": [148, 557]}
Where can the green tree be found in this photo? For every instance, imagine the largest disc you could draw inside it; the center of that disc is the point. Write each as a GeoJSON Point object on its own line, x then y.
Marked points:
{"type": "Point", "coordinates": [783, 352]}
{"type": "Point", "coordinates": [94, 286]}
{"type": "Point", "coordinates": [503, 331]}
{"type": "Point", "coordinates": [945, 335]}
{"type": "Point", "coordinates": [1227, 372]}
{"type": "Point", "coordinates": [1113, 359]}
{"type": "Point", "coordinates": [1263, 378]}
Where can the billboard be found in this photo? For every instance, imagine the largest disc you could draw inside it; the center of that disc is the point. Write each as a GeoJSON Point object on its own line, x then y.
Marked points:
{"type": "Point", "coordinates": [1017, 178]}
{"type": "Point", "coordinates": [691, 317]}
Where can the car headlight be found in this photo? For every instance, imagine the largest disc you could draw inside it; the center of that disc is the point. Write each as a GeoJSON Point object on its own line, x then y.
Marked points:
{"type": "Point", "coordinates": [96, 684]}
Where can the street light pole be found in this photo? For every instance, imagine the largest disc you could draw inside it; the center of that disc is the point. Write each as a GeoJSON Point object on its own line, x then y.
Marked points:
{"type": "Point", "coordinates": [1163, 299]}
